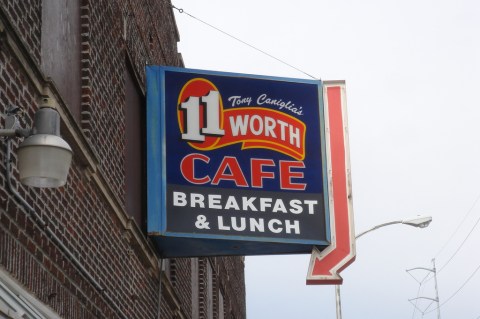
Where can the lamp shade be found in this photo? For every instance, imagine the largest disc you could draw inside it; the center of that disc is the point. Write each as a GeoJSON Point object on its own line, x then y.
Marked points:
{"type": "Point", "coordinates": [418, 221]}
{"type": "Point", "coordinates": [44, 160]}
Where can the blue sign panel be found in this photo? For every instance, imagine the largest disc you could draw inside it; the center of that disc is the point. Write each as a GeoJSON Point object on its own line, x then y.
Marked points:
{"type": "Point", "coordinates": [236, 164]}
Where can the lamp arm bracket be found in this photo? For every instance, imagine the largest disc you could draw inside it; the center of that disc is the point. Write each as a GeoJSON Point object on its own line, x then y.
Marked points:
{"type": "Point", "coordinates": [23, 132]}
{"type": "Point", "coordinates": [12, 123]}
{"type": "Point", "coordinates": [18, 132]}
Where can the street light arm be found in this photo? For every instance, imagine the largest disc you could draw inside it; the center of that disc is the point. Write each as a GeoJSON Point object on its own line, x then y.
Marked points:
{"type": "Point", "coordinates": [418, 221]}
{"type": "Point", "coordinates": [377, 227]}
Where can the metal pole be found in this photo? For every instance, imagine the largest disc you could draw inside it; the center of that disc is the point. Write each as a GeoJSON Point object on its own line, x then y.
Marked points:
{"type": "Point", "coordinates": [159, 309]}
{"type": "Point", "coordinates": [337, 287]}
{"type": "Point", "coordinates": [436, 288]}
{"type": "Point", "coordinates": [338, 302]}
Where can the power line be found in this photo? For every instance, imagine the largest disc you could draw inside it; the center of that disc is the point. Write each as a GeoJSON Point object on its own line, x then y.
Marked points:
{"type": "Point", "coordinates": [458, 290]}
{"type": "Point", "coordinates": [426, 279]}
{"type": "Point", "coordinates": [241, 41]}
{"type": "Point", "coordinates": [464, 240]}
{"type": "Point", "coordinates": [459, 225]}
{"type": "Point", "coordinates": [461, 245]}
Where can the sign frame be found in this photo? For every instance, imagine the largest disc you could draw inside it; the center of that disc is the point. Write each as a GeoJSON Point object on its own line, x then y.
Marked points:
{"type": "Point", "coordinates": [178, 244]}
{"type": "Point", "coordinates": [325, 266]}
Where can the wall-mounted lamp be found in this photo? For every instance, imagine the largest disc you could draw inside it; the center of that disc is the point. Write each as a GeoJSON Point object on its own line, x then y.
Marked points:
{"type": "Point", "coordinates": [43, 157]}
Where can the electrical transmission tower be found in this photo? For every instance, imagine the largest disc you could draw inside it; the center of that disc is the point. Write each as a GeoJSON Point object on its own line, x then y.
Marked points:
{"type": "Point", "coordinates": [436, 299]}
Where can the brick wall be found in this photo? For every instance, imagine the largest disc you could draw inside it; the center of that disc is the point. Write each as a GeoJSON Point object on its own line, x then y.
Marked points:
{"type": "Point", "coordinates": [26, 16]}
{"type": "Point", "coordinates": [103, 94]}
{"type": "Point", "coordinates": [88, 214]}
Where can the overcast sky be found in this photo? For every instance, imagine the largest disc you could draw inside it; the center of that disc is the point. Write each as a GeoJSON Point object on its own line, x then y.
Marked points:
{"type": "Point", "coordinates": [412, 69]}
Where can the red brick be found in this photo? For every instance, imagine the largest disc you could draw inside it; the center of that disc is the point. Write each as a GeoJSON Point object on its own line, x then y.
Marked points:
{"type": "Point", "coordinates": [78, 213]}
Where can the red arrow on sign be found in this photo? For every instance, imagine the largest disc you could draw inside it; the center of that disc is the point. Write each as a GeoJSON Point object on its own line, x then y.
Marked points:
{"type": "Point", "coordinates": [326, 265]}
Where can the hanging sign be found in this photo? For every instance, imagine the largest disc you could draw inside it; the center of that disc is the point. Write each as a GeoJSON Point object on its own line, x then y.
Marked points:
{"type": "Point", "coordinates": [237, 164]}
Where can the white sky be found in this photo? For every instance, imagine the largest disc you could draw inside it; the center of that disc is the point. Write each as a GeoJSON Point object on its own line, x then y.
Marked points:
{"type": "Point", "coordinates": [412, 69]}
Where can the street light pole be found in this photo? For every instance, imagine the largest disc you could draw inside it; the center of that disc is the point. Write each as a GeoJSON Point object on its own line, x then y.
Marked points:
{"type": "Point", "coordinates": [418, 221]}
{"type": "Point", "coordinates": [338, 301]}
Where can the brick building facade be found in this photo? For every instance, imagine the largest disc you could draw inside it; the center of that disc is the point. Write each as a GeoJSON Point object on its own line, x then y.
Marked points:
{"type": "Point", "coordinates": [81, 251]}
